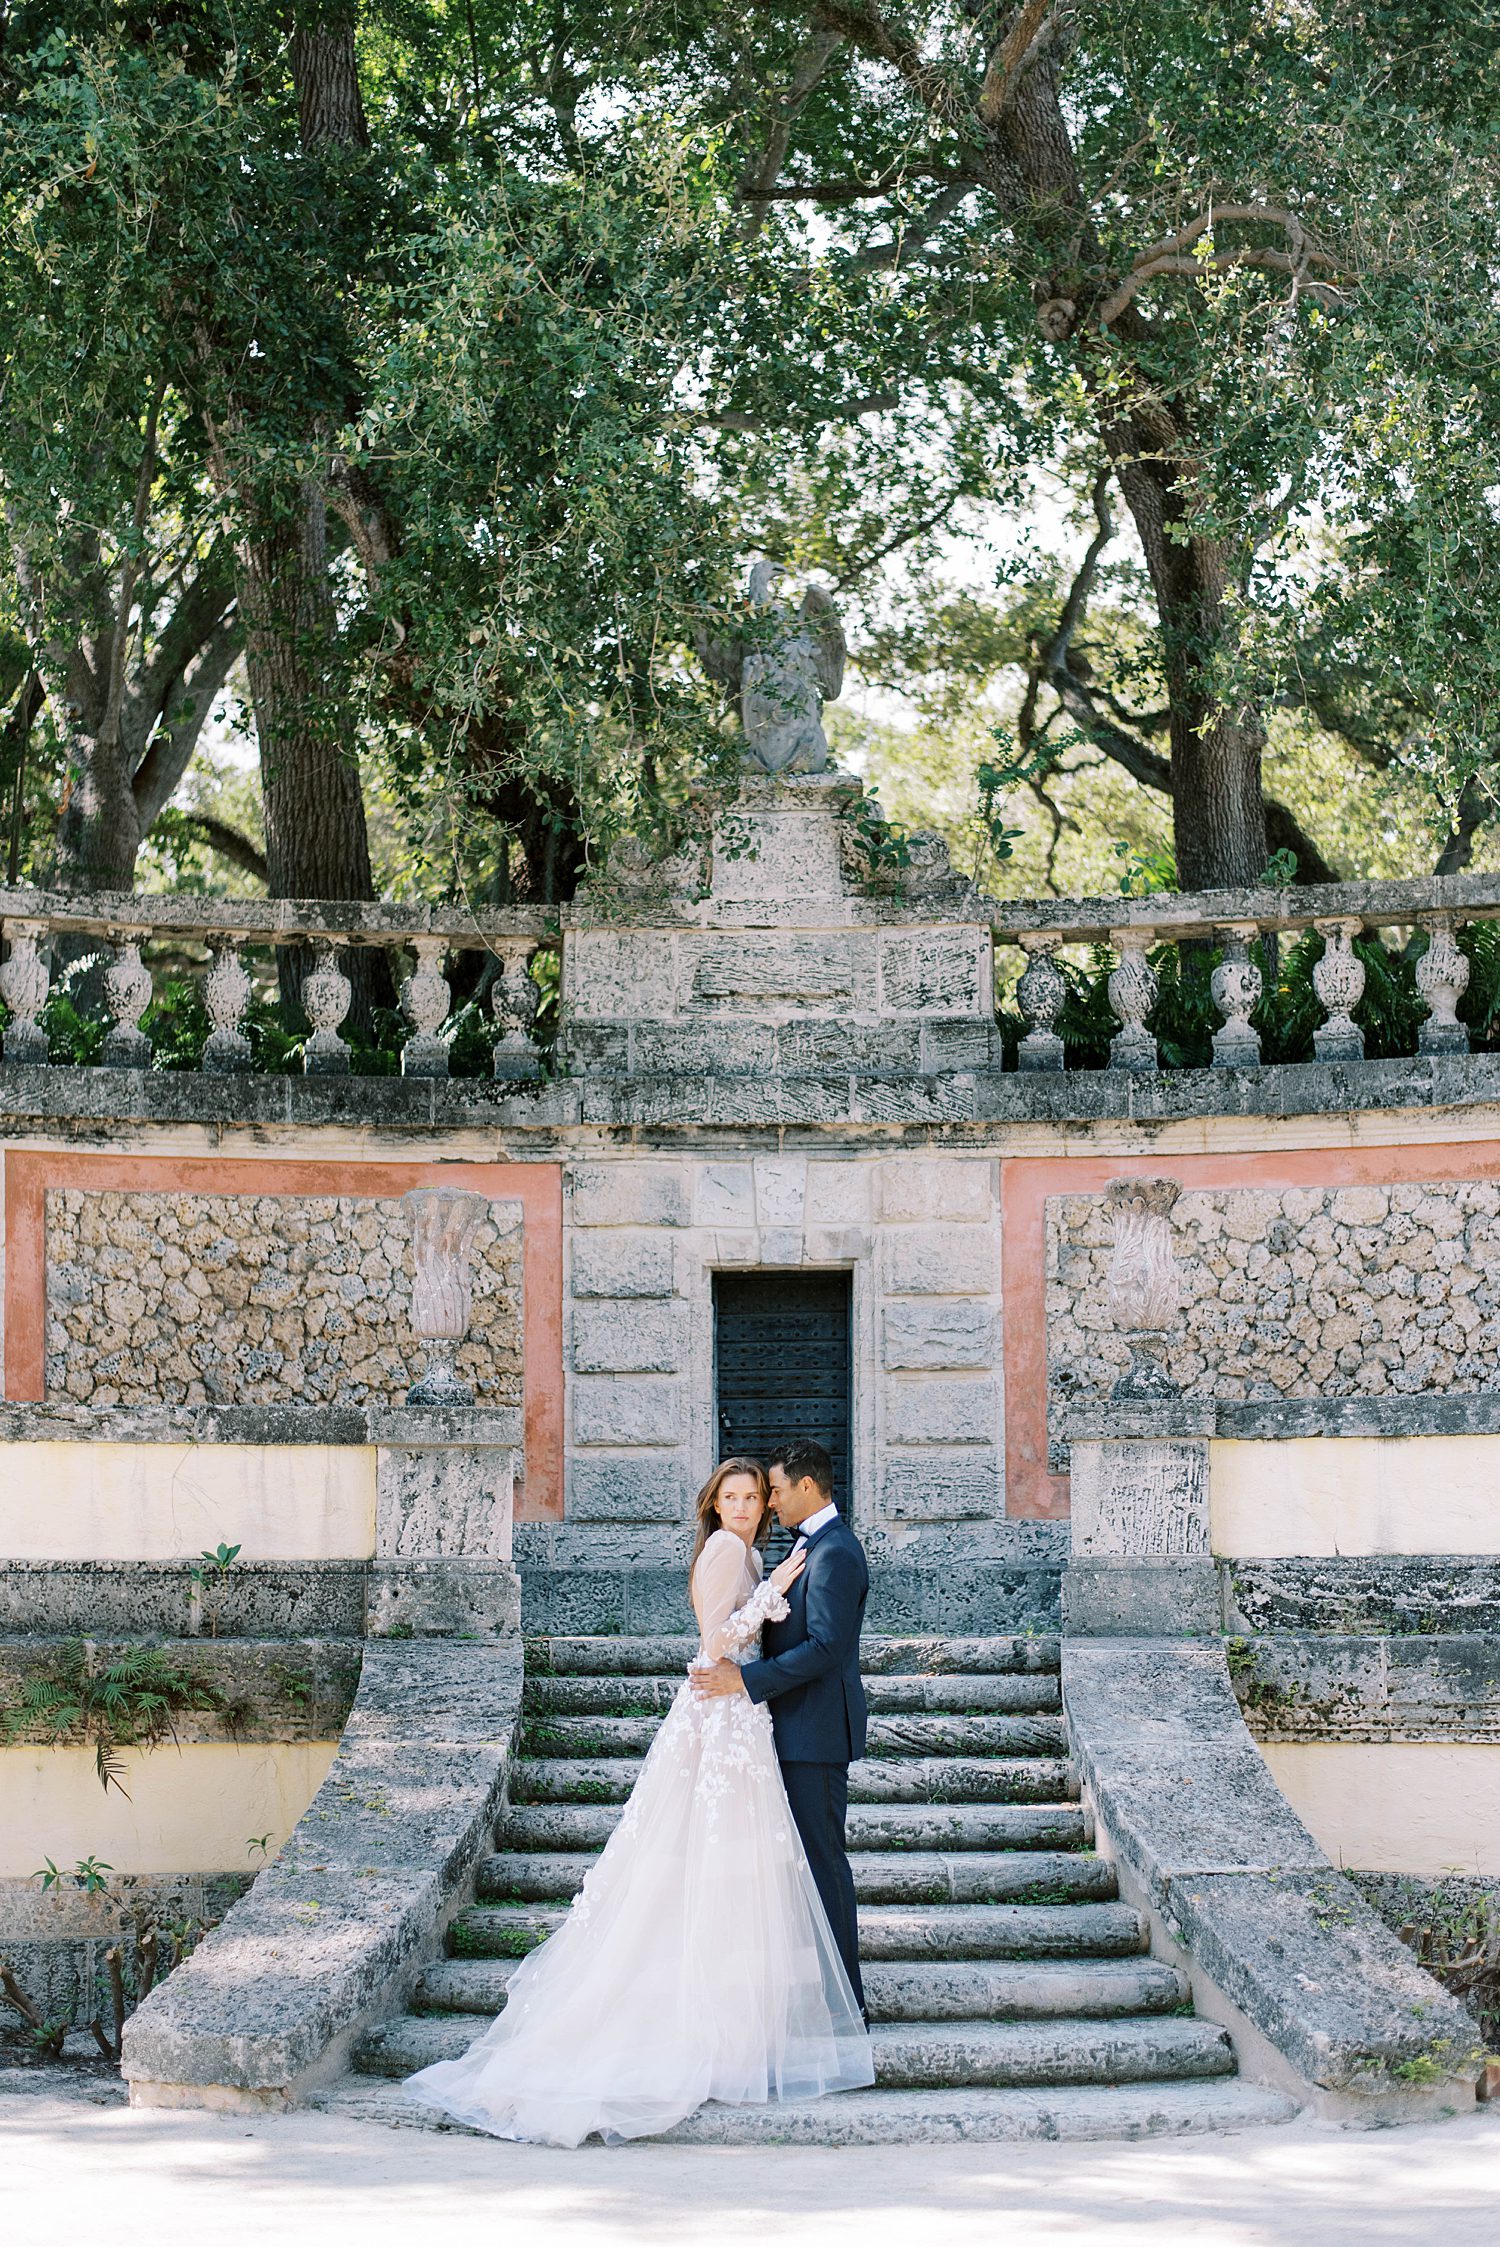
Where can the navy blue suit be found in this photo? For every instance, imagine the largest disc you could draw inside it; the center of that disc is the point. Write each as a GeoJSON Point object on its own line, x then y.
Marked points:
{"type": "Point", "coordinates": [809, 1674]}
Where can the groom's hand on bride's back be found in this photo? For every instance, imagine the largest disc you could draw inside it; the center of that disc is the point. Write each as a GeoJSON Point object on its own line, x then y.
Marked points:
{"type": "Point", "coordinates": [715, 1679]}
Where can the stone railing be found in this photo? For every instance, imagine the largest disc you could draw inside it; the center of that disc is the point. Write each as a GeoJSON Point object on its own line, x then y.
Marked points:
{"type": "Point", "coordinates": [1232, 921]}
{"type": "Point", "coordinates": [121, 925]}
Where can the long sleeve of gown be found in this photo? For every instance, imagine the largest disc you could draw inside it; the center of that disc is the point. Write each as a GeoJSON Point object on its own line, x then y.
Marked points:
{"type": "Point", "coordinates": [717, 1580]}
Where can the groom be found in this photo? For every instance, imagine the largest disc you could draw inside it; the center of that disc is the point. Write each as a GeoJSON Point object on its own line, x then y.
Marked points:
{"type": "Point", "coordinates": [810, 1676]}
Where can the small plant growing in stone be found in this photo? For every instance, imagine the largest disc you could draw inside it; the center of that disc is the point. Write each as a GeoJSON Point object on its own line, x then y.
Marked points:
{"type": "Point", "coordinates": [128, 1701]}
{"type": "Point", "coordinates": [259, 1844]}
{"type": "Point", "coordinates": [211, 1576]}
{"type": "Point", "coordinates": [91, 1874]}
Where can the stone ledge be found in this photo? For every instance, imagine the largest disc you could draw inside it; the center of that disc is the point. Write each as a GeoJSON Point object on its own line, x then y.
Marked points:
{"type": "Point", "coordinates": [330, 1933]}
{"type": "Point", "coordinates": [479, 1427]}
{"type": "Point", "coordinates": [276, 1689]}
{"type": "Point", "coordinates": [102, 1599]}
{"type": "Point", "coordinates": [407, 1107]}
{"type": "Point", "coordinates": [1416, 1596]}
{"type": "Point", "coordinates": [1285, 1419]}
{"type": "Point", "coordinates": [1327, 1996]}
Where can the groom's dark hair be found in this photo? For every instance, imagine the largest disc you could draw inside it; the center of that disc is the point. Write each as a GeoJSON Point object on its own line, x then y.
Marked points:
{"type": "Point", "coordinates": [801, 1458]}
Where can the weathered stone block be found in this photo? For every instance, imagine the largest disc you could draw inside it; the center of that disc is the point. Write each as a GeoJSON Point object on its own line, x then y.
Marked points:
{"type": "Point", "coordinates": [941, 1260]}
{"type": "Point", "coordinates": [454, 1501]}
{"type": "Point", "coordinates": [939, 971]}
{"type": "Point", "coordinates": [838, 1193]}
{"type": "Point", "coordinates": [942, 1411]}
{"type": "Point", "coordinates": [1111, 1596]}
{"type": "Point", "coordinates": [443, 1599]}
{"type": "Point", "coordinates": [938, 1336]}
{"type": "Point", "coordinates": [723, 1194]}
{"type": "Point", "coordinates": [627, 1193]}
{"type": "Point", "coordinates": [1140, 1498]}
{"type": "Point", "coordinates": [933, 1486]}
{"type": "Point", "coordinates": [780, 1189]}
{"type": "Point", "coordinates": [617, 1264]}
{"type": "Point", "coordinates": [636, 1486]}
{"type": "Point", "coordinates": [626, 1337]}
{"type": "Point", "coordinates": [699, 1048]}
{"type": "Point", "coordinates": [960, 1043]}
{"type": "Point", "coordinates": [819, 1048]}
{"type": "Point", "coordinates": [837, 1244]}
{"type": "Point", "coordinates": [791, 969]}
{"type": "Point", "coordinates": [642, 1409]}
{"type": "Point", "coordinates": [776, 852]}
{"type": "Point", "coordinates": [782, 1245]}
{"type": "Point", "coordinates": [622, 975]}
{"type": "Point", "coordinates": [917, 1189]}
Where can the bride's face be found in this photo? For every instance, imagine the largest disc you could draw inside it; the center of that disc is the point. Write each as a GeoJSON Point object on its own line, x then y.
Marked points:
{"type": "Point", "coordinates": [740, 1506]}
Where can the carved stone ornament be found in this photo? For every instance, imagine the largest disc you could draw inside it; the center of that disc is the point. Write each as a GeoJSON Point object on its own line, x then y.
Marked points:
{"type": "Point", "coordinates": [1132, 995]}
{"type": "Point", "coordinates": [1237, 984]}
{"type": "Point", "coordinates": [127, 994]}
{"type": "Point", "coordinates": [1144, 1287]}
{"type": "Point", "coordinates": [515, 999]}
{"type": "Point", "coordinates": [23, 987]}
{"type": "Point", "coordinates": [326, 996]}
{"type": "Point", "coordinates": [226, 994]}
{"type": "Point", "coordinates": [1042, 995]}
{"type": "Point", "coordinates": [443, 1220]}
{"type": "Point", "coordinates": [425, 1001]}
{"type": "Point", "coordinates": [1442, 979]}
{"type": "Point", "coordinates": [781, 671]}
{"type": "Point", "coordinates": [1339, 980]}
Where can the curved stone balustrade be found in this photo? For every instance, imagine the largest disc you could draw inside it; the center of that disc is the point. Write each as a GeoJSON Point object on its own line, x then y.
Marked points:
{"type": "Point", "coordinates": [1234, 921]}
{"type": "Point", "coordinates": [227, 927]}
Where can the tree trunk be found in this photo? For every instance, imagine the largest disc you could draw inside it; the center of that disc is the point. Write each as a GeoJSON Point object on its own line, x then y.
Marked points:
{"type": "Point", "coordinates": [1218, 807]}
{"type": "Point", "coordinates": [317, 841]}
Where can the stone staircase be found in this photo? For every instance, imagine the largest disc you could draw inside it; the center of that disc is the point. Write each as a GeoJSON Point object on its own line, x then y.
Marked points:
{"type": "Point", "coordinates": [1010, 1991]}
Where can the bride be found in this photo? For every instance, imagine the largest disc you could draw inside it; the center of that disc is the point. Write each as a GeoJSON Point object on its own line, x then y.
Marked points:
{"type": "Point", "coordinates": [697, 1961]}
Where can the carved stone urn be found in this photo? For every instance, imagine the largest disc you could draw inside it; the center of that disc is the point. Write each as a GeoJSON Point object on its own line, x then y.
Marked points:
{"type": "Point", "coordinates": [1144, 1290]}
{"type": "Point", "coordinates": [443, 1221]}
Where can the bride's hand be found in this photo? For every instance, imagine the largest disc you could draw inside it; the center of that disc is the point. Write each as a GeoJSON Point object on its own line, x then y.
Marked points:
{"type": "Point", "coordinates": [791, 1568]}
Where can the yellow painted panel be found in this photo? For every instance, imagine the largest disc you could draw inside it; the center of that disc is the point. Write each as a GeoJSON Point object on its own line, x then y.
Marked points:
{"type": "Point", "coordinates": [191, 1809]}
{"type": "Point", "coordinates": [164, 1501]}
{"type": "Point", "coordinates": [1407, 1806]}
{"type": "Point", "coordinates": [1356, 1494]}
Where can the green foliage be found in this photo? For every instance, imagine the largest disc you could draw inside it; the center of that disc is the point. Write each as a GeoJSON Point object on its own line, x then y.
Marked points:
{"type": "Point", "coordinates": [127, 1700]}
{"type": "Point", "coordinates": [90, 1874]}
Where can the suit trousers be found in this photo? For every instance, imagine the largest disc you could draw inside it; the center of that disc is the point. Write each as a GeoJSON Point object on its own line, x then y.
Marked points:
{"type": "Point", "coordinates": [819, 1797]}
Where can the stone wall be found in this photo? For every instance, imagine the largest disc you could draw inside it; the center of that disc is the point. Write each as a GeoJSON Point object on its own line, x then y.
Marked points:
{"type": "Point", "coordinates": [922, 1238]}
{"type": "Point", "coordinates": [182, 1298]}
{"type": "Point", "coordinates": [1294, 1292]}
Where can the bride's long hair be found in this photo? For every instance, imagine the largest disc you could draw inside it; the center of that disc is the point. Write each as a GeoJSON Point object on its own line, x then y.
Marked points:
{"type": "Point", "coordinates": [707, 1503]}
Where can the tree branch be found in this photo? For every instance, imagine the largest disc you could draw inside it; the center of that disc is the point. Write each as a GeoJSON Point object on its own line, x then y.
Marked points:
{"type": "Point", "coordinates": [1169, 255]}
{"type": "Point", "coordinates": [229, 842]}
{"type": "Point", "coordinates": [760, 174]}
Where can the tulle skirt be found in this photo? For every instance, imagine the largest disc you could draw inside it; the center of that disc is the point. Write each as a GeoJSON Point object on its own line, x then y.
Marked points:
{"type": "Point", "coordinates": [696, 1962]}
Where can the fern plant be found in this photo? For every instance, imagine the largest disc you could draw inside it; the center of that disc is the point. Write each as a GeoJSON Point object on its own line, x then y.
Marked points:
{"type": "Point", "coordinates": [128, 1701]}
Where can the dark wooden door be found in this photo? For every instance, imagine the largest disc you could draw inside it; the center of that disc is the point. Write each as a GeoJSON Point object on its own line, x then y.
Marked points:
{"type": "Point", "coordinates": [782, 1362]}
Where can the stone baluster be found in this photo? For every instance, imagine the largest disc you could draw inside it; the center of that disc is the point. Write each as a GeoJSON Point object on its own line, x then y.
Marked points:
{"type": "Point", "coordinates": [1236, 984]}
{"type": "Point", "coordinates": [1442, 979]}
{"type": "Point", "coordinates": [1042, 995]}
{"type": "Point", "coordinates": [226, 994]}
{"type": "Point", "coordinates": [23, 986]}
{"type": "Point", "coordinates": [1339, 980]}
{"type": "Point", "coordinates": [127, 994]}
{"type": "Point", "coordinates": [1132, 995]}
{"type": "Point", "coordinates": [515, 999]}
{"type": "Point", "coordinates": [326, 996]}
{"type": "Point", "coordinates": [425, 1001]}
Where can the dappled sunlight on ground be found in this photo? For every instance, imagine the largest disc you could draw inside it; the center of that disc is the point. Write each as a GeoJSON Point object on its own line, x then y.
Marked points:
{"type": "Point", "coordinates": [143, 2179]}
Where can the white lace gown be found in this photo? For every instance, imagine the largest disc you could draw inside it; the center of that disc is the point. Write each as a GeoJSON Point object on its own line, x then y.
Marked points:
{"type": "Point", "coordinates": [696, 1961]}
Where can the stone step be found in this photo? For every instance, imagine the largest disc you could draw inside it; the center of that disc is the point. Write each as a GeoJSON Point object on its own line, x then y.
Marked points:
{"type": "Point", "coordinates": [914, 2055]}
{"type": "Point", "coordinates": [886, 1931]}
{"type": "Point", "coordinates": [532, 1827]}
{"type": "Point", "coordinates": [1074, 2114]}
{"type": "Point", "coordinates": [921, 1990]}
{"type": "Point", "coordinates": [637, 1657]}
{"type": "Point", "coordinates": [549, 1735]}
{"type": "Point", "coordinates": [880, 1877]}
{"type": "Point", "coordinates": [956, 1695]}
{"type": "Point", "coordinates": [898, 1779]}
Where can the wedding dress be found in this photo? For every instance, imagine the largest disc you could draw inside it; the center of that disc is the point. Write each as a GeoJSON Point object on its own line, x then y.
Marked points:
{"type": "Point", "coordinates": [696, 1961]}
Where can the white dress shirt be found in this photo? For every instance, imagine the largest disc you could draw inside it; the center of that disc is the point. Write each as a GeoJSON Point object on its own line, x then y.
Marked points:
{"type": "Point", "coordinates": [815, 1522]}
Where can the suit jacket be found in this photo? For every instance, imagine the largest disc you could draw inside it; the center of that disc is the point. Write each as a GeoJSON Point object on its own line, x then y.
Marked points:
{"type": "Point", "coordinates": [809, 1671]}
